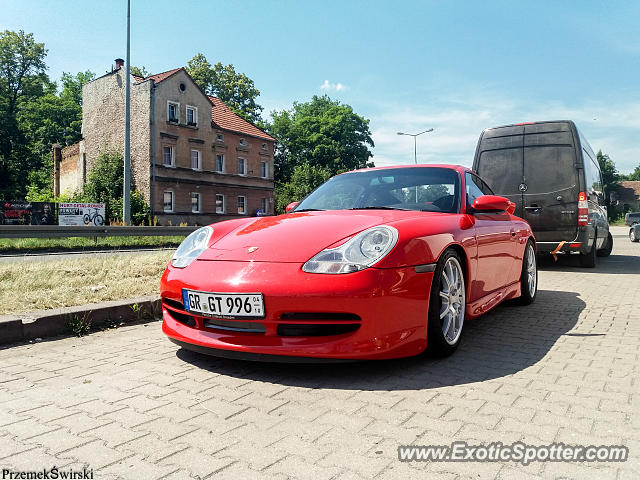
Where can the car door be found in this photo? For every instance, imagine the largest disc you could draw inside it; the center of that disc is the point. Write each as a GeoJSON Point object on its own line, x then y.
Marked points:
{"type": "Point", "coordinates": [495, 237]}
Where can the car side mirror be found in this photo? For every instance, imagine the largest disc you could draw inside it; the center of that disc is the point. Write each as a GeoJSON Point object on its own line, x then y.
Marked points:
{"type": "Point", "coordinates": [492, 204]}
{"type": "Point", "coordinates": [291, 206]}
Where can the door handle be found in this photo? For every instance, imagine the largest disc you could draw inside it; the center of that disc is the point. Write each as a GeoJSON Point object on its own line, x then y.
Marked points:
{"type": "Point", "coordinates": [534, 208]}
{"type": "Point", "coordinates": [513, 232]}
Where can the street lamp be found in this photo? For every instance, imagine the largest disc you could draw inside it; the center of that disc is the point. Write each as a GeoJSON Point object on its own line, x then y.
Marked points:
{"type": "Point", "coordinates": [415, 148]}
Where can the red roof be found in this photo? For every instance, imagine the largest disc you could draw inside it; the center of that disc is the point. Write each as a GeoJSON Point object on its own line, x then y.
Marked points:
{"type": "Point", "coordinates": [630, 190]}
{"type": "Point", "coordinates": [158, 77]}
{"type": "Point", "coordinates": [223, 117]}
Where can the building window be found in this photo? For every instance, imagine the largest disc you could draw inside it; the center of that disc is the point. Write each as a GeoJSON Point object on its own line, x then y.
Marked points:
{"type": "Point", "coordinates": [168, 156]}
{"type": "Point", "coordinates": [219, 203]}
{"type": "Point", "coordinates": [220, 137]}
{"type": "Point", "coordinates": [192, 116]}
{"type": "Point", "coordinates": [242, 205]}
{"type": "Point", "coordinates": [196, 161]}
{"type": "Point", "coordinates": [264, 146]}
{"type": "Point", "coordinates": [242, 166]}
{"type": "Point", "coordinates": [173, 111]}
{"type": "Point", "coordinates": [264, 169]}
{"type": "Point", "coordinates": [220, 163]}
{"type": "Point", "coordinates": [243, 142]}
{"type": "Point", "coordinates": [168, 201]}
{"type": "Point", "coordinates": [195, 202]}
{"type": "Point", "coordinates": [263, 206]}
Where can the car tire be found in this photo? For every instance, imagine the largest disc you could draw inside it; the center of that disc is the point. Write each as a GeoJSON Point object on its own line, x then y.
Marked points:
{"type": "Point", "coordinates": [447, 305]}
{"type": "Point", "coordinates": [633, 236]}
{"type": "Point", "coordinates": [528, 276]}
{"type": "Point", "coordinates": [606, 250]}
{"type": "Point", "coordinates": [588, 260]}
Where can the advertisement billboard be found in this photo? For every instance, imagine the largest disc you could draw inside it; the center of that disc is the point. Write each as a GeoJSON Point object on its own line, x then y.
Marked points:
{"type": "Point", "coordinates": [27, 213]}
{"type": "Point", "coordinates": [81, 214]}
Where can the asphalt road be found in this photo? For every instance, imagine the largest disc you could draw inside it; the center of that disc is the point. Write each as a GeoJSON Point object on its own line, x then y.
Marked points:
{"type": "Point", "coordinates": [41, 257]}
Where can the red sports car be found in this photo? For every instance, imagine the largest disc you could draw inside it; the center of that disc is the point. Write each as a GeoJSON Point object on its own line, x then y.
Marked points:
{"type": "Point", "coordinates": [374, 264]}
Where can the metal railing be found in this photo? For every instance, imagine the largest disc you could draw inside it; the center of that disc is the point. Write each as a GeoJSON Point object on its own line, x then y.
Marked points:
{"type": "Point", "coordinates": [61, 231]}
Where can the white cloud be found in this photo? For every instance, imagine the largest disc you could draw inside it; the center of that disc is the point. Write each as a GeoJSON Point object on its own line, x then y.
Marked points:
{"type": "Point", "coordinates": [611, 127]}
{"type": "Point", "coordinates": [332, 86]}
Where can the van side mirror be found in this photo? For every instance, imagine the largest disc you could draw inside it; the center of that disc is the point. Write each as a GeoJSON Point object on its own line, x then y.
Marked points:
{"type": "Point", "coordinates": [492, 204]}
{"type": "Point", "coordinates": [291, 206]}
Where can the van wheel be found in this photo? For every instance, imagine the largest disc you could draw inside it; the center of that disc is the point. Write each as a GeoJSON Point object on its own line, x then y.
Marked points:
{"type": "Point", "coordinates": [529, 276]}
{"type": "Point", "coordinates": [447, 306]}
{"type": "Point", "coordinates": [588, 260]}
{"type": "Point", "coordinates": [605, 251]}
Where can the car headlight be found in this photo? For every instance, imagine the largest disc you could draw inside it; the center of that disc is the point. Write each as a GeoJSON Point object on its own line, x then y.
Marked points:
{"type": "Point", "coordinates": [358, 253]}
{"type": "Point", "coordinates": [191, 247]}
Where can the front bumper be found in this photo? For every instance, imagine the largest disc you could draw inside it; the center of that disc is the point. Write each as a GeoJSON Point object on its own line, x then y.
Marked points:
{"type": "Point", "coordinates": [371, 314]}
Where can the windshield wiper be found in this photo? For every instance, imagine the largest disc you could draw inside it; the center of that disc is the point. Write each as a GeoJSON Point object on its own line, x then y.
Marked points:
{"type": "Point", "coordinates": [380, 208]}
{"type": "Point", "coordinates": [309, 210]}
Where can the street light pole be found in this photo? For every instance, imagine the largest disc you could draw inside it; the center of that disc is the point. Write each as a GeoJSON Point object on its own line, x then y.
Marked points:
{"type": "Point", "coordinates": [415, 149]}
{"type": "Point", "coordinates": [126, 202]}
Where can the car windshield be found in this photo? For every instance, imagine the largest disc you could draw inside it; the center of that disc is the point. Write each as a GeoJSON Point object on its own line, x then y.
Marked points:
{"type": "Point", "coordinates": [428, 189]}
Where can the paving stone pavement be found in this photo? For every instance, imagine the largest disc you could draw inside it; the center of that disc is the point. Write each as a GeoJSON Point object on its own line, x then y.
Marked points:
{"type": "Point", "coordinates": [129, 404]}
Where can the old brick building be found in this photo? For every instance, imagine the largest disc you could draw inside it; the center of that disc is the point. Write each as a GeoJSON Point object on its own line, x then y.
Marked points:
{"type": "Point", "coordinates": [193, 159]}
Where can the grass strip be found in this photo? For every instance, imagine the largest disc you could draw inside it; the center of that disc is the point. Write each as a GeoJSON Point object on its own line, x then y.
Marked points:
{"type": "Point", "coordinates": [26, 286]}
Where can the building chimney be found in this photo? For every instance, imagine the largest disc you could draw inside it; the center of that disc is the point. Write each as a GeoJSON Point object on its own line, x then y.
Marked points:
{"type": "Point", "coordinates": [119, 63]}
{"type": "Point", "coordinates": [57, 159]}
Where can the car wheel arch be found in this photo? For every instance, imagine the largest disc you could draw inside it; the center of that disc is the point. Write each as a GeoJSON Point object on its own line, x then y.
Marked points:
{"type": "Point", "coordinates": [456, 247]}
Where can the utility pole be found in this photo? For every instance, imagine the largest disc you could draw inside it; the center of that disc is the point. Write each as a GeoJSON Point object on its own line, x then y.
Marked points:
{"type": "Point", "coordinates": [126, 203]}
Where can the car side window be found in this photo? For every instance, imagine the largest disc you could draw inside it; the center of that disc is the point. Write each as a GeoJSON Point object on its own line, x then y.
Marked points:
{"type": "Point", "coordinates": [486, 189]}
{"type": "Point", "coordinates": [473, 190]}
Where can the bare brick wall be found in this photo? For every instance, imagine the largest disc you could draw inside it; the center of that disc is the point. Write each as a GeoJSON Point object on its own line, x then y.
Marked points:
{"type": "Point", "coordinates": [71, 169]}
{"type": "Point", "coordinates": [103, 102]}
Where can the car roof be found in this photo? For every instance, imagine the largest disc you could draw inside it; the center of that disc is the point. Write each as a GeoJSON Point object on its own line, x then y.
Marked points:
{"type": "Point", "coordinates": [459, 168]}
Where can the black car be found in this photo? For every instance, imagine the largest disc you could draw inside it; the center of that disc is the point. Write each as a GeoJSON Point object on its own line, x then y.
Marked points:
{"type": "Point", "coordinates": [549, 170]}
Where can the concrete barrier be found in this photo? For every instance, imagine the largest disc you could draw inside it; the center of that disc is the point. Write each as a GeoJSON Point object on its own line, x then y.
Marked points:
{"type": "Point", "coordinates": [47, 323]}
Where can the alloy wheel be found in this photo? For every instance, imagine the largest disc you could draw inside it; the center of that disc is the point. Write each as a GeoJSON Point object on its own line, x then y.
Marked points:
{"type": "Point", "coordinates": [531, 270]}
{"type": "Point", "coordinates": [453, 300]}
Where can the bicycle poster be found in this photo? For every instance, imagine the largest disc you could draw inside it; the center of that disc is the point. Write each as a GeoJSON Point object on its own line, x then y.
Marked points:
{"type": "Point", "coordinates": [81, 214]}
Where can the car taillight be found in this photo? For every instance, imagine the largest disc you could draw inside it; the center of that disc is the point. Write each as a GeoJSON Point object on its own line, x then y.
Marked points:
{"type": "Point", "coordinates": [583, 210]}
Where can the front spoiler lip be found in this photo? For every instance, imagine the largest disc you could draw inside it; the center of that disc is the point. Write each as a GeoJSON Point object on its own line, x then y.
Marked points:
{"type": "Point", "coordinates": [258, 357]}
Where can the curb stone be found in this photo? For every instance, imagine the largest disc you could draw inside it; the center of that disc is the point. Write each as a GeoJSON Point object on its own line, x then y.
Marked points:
{"type": "Point", "coordinates": [47, 323]}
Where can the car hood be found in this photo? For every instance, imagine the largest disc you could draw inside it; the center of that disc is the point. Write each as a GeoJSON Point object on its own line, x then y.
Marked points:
{"type": "Point", "coordinates": [296, 237]}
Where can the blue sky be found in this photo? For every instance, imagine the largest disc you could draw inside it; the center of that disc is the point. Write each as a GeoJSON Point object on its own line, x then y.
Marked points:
{"type": "Point", "coordinates": [456, 66]}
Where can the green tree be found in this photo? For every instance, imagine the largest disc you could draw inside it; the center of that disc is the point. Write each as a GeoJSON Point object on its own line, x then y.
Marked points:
{"type": "Point", "coordinates": [48, 119]}
{"type": "Point", "coordinates": [609, 171]}
{"type": "Point", "coordinates": [635, 175]}
{"type": "Point", "coordinates": [139, 71]}
{"type": "Point", "coordinates": [323, 133]}
{"type": "Point", "coordinates": [105, 185]}
{"type": "Point", "coordinates": [235, 89]}
{"type": "Point", "coordinates": [304, 180]}
{"type": "Point", "coordinates": [22, 79]}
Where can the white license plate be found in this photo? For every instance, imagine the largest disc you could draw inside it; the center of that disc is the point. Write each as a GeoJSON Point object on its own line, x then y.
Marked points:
{"type": "Point", "coordinates": [247, 305]}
